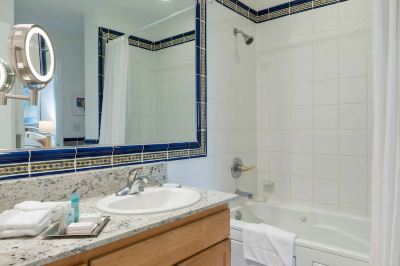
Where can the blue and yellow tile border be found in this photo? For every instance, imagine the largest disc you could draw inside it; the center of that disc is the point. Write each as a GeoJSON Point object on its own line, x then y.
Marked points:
{"type": "Point", "coordinates": [25, 163]}
{"type": "Point", "coordinates": [286, 9]}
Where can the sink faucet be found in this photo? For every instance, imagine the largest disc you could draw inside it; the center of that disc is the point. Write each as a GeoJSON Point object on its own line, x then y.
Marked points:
{"type": "Point", "coordinates": [135, 183]}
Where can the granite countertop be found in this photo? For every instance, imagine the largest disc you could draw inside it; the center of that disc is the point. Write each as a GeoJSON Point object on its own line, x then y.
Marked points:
{"type": "Point", "coordinates": [39, 251]}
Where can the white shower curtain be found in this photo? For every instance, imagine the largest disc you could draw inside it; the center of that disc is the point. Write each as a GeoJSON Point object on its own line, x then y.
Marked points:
{"type": "Point", "coordinates": [385, 242]}
{"type": "Point", "coordinates": [113, 117]}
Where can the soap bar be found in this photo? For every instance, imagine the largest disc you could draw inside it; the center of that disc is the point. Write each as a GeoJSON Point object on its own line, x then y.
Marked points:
{"type": "Point", "coordinates": [81, 228]}
{"type": "Point", "coordinates": [93, 218]}
{"type": "Point", "coordinates": [171, 185]}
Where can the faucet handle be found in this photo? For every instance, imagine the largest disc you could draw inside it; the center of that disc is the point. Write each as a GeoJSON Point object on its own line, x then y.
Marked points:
{"type": "Point", "coordinates": [238, 168]}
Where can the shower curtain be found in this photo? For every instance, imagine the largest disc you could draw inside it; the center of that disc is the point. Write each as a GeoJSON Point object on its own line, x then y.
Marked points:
{"type": "Point", "coordinates": [113, 117]}
{"type": "Point", "coordinates": [385, 242]}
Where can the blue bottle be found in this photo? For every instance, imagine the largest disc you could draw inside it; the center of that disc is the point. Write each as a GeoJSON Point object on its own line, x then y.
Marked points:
{"type": "Point", "coordinates": [75, 198]}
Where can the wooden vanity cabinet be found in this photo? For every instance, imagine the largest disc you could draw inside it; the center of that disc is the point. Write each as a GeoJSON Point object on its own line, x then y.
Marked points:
{"type": "Point", "coordinates": [217, 255]}
{"type": "Point", "coordinates": [199, 239]}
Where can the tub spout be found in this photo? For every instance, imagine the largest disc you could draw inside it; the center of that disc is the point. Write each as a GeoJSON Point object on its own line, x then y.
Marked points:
{"type": "Point", "coordinates": [244, 194]}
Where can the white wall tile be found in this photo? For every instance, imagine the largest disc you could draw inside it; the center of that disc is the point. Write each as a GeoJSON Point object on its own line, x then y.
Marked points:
{"type": "Point", "coordinates": [326, 92]}
{"type": "Point", "coordinates": [302, 117]}
{"type": "Point", "coordinates": [353, 64]}
{"type": "Point", "coordinates": [302, 93]}
{"type": "Point", "coordinates": [353, 195]}
{"type": "Point", "coordinates": [326, 191]}
{"type": "Point", "coordinates": [353, 116]}
{"type": "Point", "coordinates": [326, 18]}
{"type": "Point", "coordinates": [302, 164]}
{"type": "Point", "coordinates": [280, 162]}
{"type": "Point", "coordinates": [326, 67]}
{"type": "Point", "coordinates": [353, 143]}
{"type": "Point", "coordinates": [353, 90]}
{"type": "Point", "coordinates": [302, 141]}
{"type": "Point", "coordinates": [302, 188]}
{"type": "Point", "coordinates": [315, 69]}
{"type": "Point", "coordinates": [353, 168]}
{"type": "Point", "coordinates": [326, 117]}
{"type": "Point", "coordinates": [326, 142]}
{"type": "Point", "coordinates": [326, 166]}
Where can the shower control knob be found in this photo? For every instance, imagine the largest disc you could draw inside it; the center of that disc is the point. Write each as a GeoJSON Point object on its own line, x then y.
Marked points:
{"type": "Point", "coordinates": [238, 168]}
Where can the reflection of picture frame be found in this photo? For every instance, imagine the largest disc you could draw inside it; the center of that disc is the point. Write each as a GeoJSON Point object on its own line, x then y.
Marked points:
{"type": "Point", "coordinates": [78, 104]}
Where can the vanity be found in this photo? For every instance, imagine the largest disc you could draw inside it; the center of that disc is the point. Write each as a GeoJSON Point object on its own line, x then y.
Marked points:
{"type": "Point", "coordinates": [197, 234]}
{"type": "Point", "coordinates": [198, 239]}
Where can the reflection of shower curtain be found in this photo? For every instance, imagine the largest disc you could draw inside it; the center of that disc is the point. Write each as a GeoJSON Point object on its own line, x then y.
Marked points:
{"type": "Point", "coordinates": [113, 118]}
{"type": "Point", "coordinates": [385, 243]}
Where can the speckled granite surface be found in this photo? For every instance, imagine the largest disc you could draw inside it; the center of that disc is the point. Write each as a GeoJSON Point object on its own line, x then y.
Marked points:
{"type": "Point", "coordinates": [38, 251]}
{"type": "Point", "coordinates": [88, 184]}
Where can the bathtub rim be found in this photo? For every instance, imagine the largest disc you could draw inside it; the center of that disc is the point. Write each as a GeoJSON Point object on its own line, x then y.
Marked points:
{"type": "Point", "coordinates": [364, 257]}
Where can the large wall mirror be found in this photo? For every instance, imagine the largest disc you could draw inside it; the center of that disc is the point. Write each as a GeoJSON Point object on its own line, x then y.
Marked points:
{"type": "Point", "coordinates": [128, 73]}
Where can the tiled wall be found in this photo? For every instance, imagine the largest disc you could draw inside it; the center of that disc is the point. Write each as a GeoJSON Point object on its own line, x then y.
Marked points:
{"type": "Point", "coordinates": [231, 98]}
{"type": "Point", "coordinates": [314, 106]}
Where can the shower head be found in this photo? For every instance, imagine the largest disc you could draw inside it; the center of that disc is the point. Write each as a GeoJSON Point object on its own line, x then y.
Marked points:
{"type": "Point", "coordinates": [247, 38]}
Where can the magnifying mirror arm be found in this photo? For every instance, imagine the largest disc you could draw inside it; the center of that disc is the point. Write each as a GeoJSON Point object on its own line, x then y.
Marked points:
{"type": "Point", "coordinates": [32, 98]}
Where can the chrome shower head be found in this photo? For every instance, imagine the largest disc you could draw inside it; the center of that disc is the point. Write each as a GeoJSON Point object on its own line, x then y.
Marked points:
{"type": "Point", "coordinates": [247, 38]}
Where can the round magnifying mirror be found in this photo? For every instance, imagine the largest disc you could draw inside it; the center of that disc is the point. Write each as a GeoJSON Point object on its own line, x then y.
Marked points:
{"type": "Point", "coordinates": [32, 55]}
{"type": "Point", "coordinates": [7, 77]}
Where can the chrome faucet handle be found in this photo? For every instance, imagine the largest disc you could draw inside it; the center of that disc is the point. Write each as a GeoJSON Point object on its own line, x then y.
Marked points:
{"type": "Point", "coordinates": [238, 168]}
{"type": "Point", "coordinates": [138, 185]}
{"type": "Point", "coordinates": [132, 184]}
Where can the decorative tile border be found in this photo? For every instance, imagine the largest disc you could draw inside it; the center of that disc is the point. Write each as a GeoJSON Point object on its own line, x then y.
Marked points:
{"type": "Point", "coordinates": [286, 9]}
{"type": "Point", "coordinates": [20, 164]}
{"type": "Point", "coordinates": [106, 35]}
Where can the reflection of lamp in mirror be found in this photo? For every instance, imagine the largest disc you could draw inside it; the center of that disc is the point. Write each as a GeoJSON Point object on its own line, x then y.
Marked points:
{"type": "Point", "coordinates": [47, 128]}
{"type": "Point", "coordinates": [30, 48]}
{"type": "Point", "coordinates": [7, 77]}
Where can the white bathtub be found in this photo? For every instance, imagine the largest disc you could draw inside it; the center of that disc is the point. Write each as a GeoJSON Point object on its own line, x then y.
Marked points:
{"type": "Point", "coordinates": [323, 238]}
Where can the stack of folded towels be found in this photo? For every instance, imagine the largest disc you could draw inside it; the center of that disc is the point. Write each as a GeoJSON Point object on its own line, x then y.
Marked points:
{"type": "Point", "coordinates": [29, 218]}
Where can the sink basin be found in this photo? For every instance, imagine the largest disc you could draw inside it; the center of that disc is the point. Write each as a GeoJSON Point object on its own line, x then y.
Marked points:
{"type": "Point", "coordinates": [151, 200]}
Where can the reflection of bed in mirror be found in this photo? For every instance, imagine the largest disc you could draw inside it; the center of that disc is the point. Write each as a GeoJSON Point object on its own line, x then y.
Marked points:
{"type": "Point", "coordinates": [34, 138]}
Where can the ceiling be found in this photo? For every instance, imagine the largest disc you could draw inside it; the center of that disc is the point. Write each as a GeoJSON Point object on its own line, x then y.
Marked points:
{"type": "Point", "coordinates": [68, 14]}
{"type": "Point", "coordinates": [263, 4]}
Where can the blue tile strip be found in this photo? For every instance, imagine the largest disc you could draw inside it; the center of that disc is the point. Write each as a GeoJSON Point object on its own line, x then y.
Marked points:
{"type": "Point", "coordinates": [286, 9]}
{"type": "Point", "coordinates": [24, 164]}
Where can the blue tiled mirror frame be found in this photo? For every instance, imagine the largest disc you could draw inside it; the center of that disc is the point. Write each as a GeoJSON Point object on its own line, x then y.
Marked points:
{"type": "Point", "coordinates": [31, 163]}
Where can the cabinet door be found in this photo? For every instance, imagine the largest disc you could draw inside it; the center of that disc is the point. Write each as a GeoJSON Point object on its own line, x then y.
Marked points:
{"type": "Point", "coordinates": [217, 255]}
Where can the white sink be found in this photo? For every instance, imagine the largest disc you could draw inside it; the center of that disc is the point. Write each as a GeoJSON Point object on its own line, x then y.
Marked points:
{"type": "Point", "coordinates": [151, 200]}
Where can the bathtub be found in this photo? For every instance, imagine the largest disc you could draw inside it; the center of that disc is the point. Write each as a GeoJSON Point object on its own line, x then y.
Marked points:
{"type": "Point", "coordinates": [323, 238]}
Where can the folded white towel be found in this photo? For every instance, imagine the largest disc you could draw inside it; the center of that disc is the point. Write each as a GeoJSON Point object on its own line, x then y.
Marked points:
{"type": "Point", "coordinates": [38, 205]}
{"type": "Point", "coordinates": [17, 219]}
{"type": "Point", "coordinates": [26, 231]}
{"type": "Point", "coordinates": [57, 208]}
{"type": "Point", "coordinates": [268, 245]}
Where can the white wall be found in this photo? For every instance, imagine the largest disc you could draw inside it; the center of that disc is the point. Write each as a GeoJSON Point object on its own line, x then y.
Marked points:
{"type": "Point", "coordinates": [7, 11]}
{"type": "Point", "coordinates": [231, 106]}
{"type": "Point", "coordinates": [314, 106]}
{"type": "Point", "coordinates": [7, 113]}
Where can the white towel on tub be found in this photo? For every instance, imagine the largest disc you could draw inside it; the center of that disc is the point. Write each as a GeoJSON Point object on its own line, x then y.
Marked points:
{"type": "Point", "coordinates": [268, 245]}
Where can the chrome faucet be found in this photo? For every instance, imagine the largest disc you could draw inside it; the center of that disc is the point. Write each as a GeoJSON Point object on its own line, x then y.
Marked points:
{"type": "Point", "coordinates": [135, 183]}
{"type": "Point", "coordinates": [244, 194]}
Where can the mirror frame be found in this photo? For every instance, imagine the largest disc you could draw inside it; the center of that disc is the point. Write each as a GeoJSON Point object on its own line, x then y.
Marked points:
{"type": "Point", "coordinates": [16, 164]}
